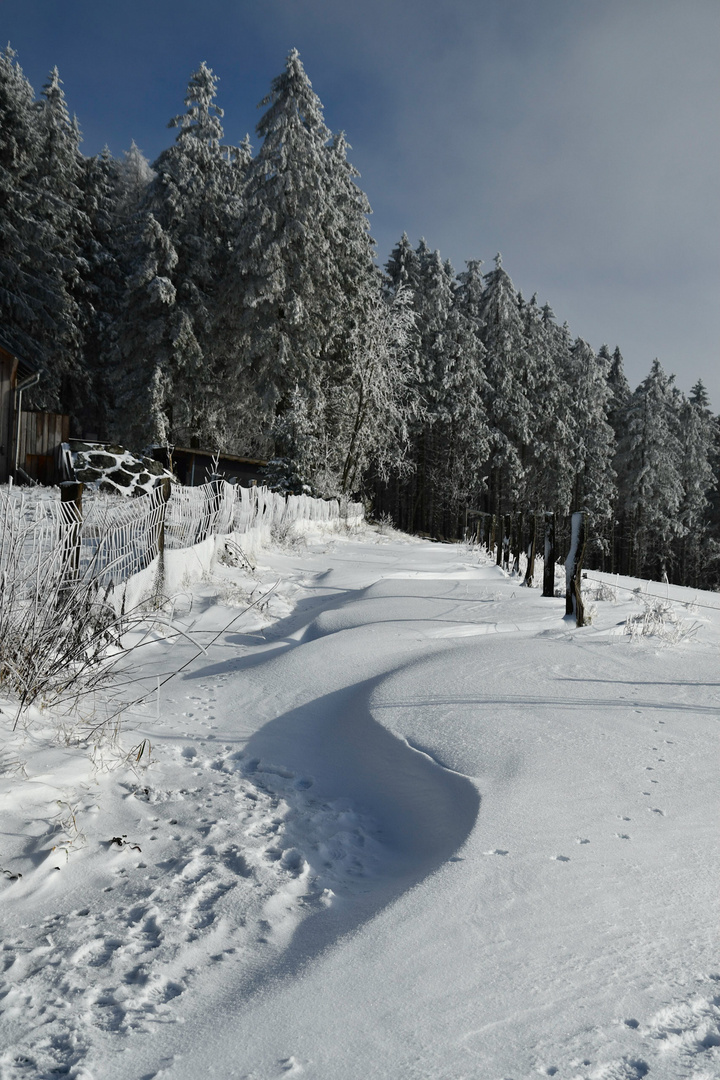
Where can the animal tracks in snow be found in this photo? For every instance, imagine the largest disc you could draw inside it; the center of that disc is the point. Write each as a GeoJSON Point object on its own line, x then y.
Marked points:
{"type": "Point", "coordinates": [686, 1033]}
{"type": "Point", "coordinates": [231, 868]}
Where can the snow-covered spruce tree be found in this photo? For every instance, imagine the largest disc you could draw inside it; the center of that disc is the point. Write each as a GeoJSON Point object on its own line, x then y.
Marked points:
{"type": "Point", "coordinates": [55, 177]}
{"type": "Point", "coordinates": [455, 440]}
{"type": "Point", "coordinates": [549, 467]}
{"type": "Point", "coordinates": [402, 267]}
{"type": "Point", "coordinates": [620, 392]}
{"type": "Point", "coordinates": [195, 198]}
{"type": "Point", "coordinates": [449, 434]}
{"type": "Point", "coordinates": [133, 176]}
{"type": "Point", "coordinates": [462, 403]}
{"type": "Point", "coordinates": [414, 498]}
{"type": "Point", "coordinates": [112, 193]}
{"type": "Point", "coordinates": [359, 428]}
{"type": "Point", "coordinates": [594, 445]}
{"type": "Point", "coordinates": [433, 300]}
{"type": "Point", "coordinates": [104, 283]}
{"type": "Point", "coordinates": [145, 337]}
{"type": "Point", "coordinates": [618, 402]}
{"type": "Point", "coordinates": [649, 462]}
{"type": "Point", "coordinates": [508, 408]}
{"type": "Point", "coordinates": [368, 414]}
{"type": "Point", "coordinates": [281, 289]}
{"type": "Point", "coordinates": [370, 334]}
{"type": "Point", "coordinates": [29, 297]}
{"type": "Point", "coordinates": [697, 434]}
{"type": "Point", "coordinates": [711, 571]}
{"type": "Point", "coordinates": [39, 268]}
{"type": "Point", "coordinates": [398, 494]}
{"type": "Point", "coordinates": [351, 245]}
{"type": "Point", "coordinates": [301, 273]}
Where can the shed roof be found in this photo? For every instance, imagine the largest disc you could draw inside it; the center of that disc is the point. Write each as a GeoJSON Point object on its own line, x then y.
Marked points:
{"type": "Point", "coordinates": [25, 367]}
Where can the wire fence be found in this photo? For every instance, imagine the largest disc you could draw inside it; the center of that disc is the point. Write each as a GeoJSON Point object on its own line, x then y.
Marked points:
{"type": "Point", "coordinates": [109, 540]}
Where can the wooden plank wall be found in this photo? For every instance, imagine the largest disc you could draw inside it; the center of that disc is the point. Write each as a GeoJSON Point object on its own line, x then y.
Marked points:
{"type": "Point", "coordinates": [40, 438]}
{"type": "Point", "coordinates": [6, 363]}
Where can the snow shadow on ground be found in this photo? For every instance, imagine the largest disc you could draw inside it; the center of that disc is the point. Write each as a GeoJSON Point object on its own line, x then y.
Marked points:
{"type": "Point", "coordinates": [422, 813]}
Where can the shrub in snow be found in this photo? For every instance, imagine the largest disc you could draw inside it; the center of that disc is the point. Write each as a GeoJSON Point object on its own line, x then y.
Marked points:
{"type": "Point", "coordinates": [58, 616]}
{"type": "Point", "coordinates": [659, 619]}
{"type": "Point", "coordinates": [599, 591]}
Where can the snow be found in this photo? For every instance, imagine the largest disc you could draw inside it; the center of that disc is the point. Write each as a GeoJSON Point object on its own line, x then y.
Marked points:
{"type": "Point", "coordinates": [402, 819]}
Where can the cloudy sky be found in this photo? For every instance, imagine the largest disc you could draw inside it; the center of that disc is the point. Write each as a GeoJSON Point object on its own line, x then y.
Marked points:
{"type": "Point", "coordinates": [580, 138]}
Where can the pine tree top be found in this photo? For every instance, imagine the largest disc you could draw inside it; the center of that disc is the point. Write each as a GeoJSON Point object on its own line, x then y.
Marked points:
{"type": "Point", "coordinates": [203, 116]}
{"type": "Point", "coordinates": [292, 100]}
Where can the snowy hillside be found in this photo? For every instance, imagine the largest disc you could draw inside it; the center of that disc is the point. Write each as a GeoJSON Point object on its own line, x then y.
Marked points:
{"type": "Point", "coordinates": [402, 820]}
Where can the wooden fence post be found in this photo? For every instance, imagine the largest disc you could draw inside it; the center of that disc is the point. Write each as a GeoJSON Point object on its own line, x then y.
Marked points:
{"type": "Point", "coordinates": [165, 490]}
{"type": "Point", "coordinates": [71, 509]}
{"type": "Point", "coordinates": [481, 534]}
{"type": "Point", "coordinates": [218, 499]}
{"type": "Point", "coordinates": [506, 542]}
{"type": "Point", "coordinates": [515, 544]}
{"type": "Point", "coordinates": [573, 569]}
{"type": "Point", "coordinates": [549, 556]}
{"type": "Point", "coordinates": [530, 573]}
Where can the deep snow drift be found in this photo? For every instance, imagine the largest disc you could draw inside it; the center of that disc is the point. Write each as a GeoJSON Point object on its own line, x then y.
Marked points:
{"type": "Point", "coordinates": [401, 820]}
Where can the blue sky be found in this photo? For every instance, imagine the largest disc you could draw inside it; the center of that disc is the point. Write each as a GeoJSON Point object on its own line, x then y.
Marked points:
{"type": "Point", "coordinates": [578, 137]}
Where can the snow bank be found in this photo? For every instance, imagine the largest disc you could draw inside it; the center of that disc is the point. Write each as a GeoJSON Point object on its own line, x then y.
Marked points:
{"type": "Point", "coordinates": [368, 835]}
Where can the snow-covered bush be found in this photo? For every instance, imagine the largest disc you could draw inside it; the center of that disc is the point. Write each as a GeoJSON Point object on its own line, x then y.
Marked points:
{"type": "Point", "coordinates": [385, 524]}
{"type": "Point", "coordinates": [54, 627]}
{"type": "Point", "coordinates": [659, 619]}
{"type": "Point", "coordinates": [596, 591]}
{"type": "Point", "coordinates": [58, 618]}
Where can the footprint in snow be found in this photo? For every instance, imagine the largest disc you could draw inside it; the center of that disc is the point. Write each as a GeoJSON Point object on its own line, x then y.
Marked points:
{"type": "Point", "coordinates": [624, 1069]}
{"type": "Point", "coordinates": [291, 1066]}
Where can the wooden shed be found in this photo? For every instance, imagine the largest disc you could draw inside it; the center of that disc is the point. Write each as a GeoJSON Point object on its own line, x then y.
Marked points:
{"type": "Point", "coordinates": [193, 466]}
{"type": "Point", "coordinates": [29, 441]}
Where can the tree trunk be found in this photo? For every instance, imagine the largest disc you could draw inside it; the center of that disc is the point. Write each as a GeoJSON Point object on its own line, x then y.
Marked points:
{"type": "Point", "coordinates": [573, 569]}
{"type": "Point", "coordinates": [530, 572]}
{"type": "Point", "coordinates": [549, 556]}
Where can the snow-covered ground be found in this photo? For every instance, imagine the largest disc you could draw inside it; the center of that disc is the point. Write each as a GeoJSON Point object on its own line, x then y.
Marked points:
{"type": "Point", "coordinates": [402, 820]}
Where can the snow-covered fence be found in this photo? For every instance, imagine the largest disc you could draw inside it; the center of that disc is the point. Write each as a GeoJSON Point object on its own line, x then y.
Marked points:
{"type": "Point", "coordinates": [110, 540]}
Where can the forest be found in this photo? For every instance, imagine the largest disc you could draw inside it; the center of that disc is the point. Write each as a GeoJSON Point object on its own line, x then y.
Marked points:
{"type": "Point", "coordinates": [230, 298]}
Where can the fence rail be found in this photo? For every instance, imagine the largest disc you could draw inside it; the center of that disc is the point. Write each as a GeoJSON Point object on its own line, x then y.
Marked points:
{"type": "Point", "coordinates": [107, 541]}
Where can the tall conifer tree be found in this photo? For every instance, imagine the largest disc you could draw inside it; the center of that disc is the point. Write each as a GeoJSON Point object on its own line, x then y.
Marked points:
{"type": "Point", "coordinates": [507, 403]}
{"type": "Point", "coordinates": [650, 458]}
{"type": "Point", "coordinates": [195, 197]}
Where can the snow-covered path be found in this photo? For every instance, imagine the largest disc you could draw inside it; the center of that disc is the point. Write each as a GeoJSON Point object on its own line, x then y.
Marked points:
{"type": "Point", "coordinates": [422, 828]}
